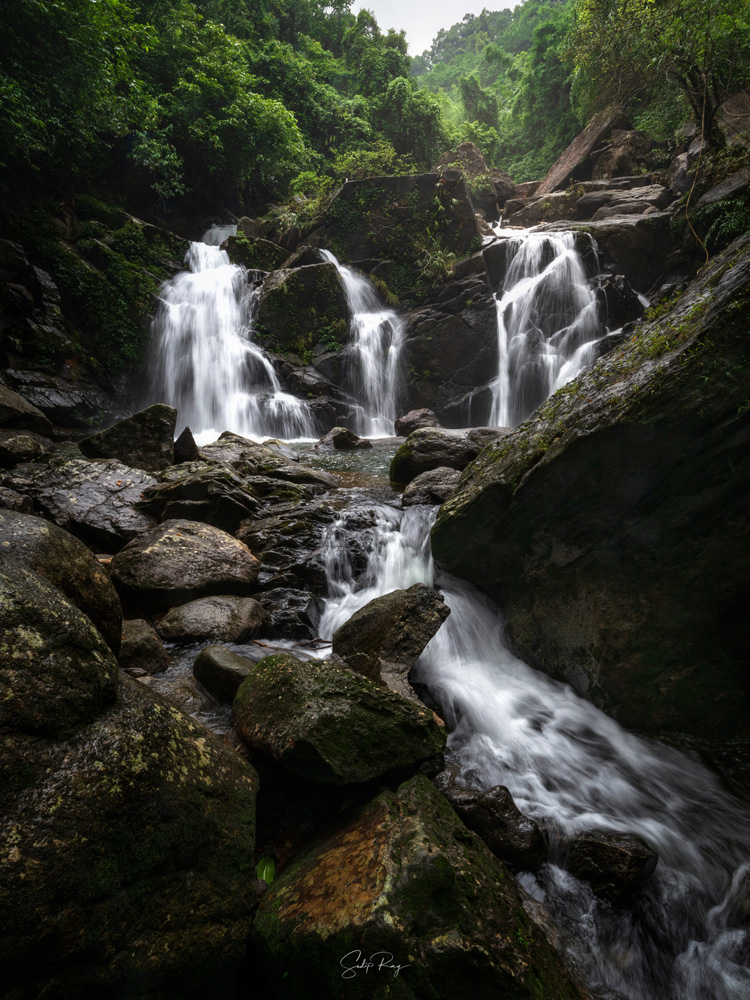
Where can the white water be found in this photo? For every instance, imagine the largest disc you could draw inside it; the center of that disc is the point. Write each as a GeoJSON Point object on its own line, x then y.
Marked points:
{"type": "Point", "coordinates": [373, 354]}
{"type": "Point", "coordinates": [205, 362]}
{"type": "Point", "coordinates": [548, 324]}
{"type": "Point", "coordinates": [572, 768]}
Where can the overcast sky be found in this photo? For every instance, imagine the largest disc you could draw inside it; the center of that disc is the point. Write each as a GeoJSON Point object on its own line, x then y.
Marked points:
{"type": "Point", "coordinates": [422, 19]}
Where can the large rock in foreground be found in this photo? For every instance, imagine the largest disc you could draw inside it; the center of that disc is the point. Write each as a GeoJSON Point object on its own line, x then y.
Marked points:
{"type": "Point", "coordinates": [404, 885]}
{"type": "Point", "coordinates": [324, 722]}
{"type": "Point", "coordinates": [613, 527]}
{"type": "Point", "coordinates": [127, 861]}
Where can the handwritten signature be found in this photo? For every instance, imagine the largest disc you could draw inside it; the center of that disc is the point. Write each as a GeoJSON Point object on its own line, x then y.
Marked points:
{"type": "Point", "coordinates": [354, 962]}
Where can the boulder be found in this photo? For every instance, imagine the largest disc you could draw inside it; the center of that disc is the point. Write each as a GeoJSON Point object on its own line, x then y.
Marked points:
{"type": "Point", "coordinates": [97, 501]}
{"type": "Point", "coordinates": [254, 253]}
{"type": "Point", "coordinates": [129, 870]}
{"type": "Point", "coordinates": [223, 619]}
{"type": "Point", "coordinates": [620, 304]}
{"type": "Point", "coordinates": [11, 500]}
{"type": "Point", "coordinates": [185, 448]}
{"type": "Point", "coordinates": [293, 613]}
{"type": "Point", "coordinates": [211, 494]}
{"type": "Point", "coordinates": [414, 420]}
{"type": "Point", "coordinates": [431, 488]}
{"type": "Point", "coordinates": [178, 561]}
{"type": "Point", "coordinates": [679, 180]}
{"type": "Point", "coordinates": [735, 184]}
{"type": "Point", "coordinates": [615, 866]}
{"type": "Point", "coordinates": [221, 671]}
{"type": "Point", "coordinates": [342, 439]}
{"type": "Point", "coordinates": [16, 412]}
{"type": "Point", "coordinates": [384, 638]}
{"type": "Point", "coordinates": [252, 459]}
{"type": "Point", "coordinates": [323, 722]}
{"type": "Point", "coordinates": [436, 447]}
{"type": "Point", "coordinates": [402, 900]}
{"type": "Point", "coordinates": [300, 306]}
{"type": "Point", "coordinates": [628, 152]}
{"type": "Point", "coordinates": [56, 671]}
{"type": "Point", "coordinates": [22, 447]}
{"type": "Point", "coordinates": [141, 648]}
{"type": "Point", "coordinates": [68, 565]}
{"type": "Point", "coordinates": [575, 162]}
{"type": "Point", "coordinates": [612, 526]}
{"type": "Point", "coordinates": [143, 441]}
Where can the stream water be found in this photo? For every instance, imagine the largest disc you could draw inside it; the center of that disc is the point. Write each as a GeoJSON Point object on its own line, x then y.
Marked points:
{"type": "Point", "coordinates": [567, 765]}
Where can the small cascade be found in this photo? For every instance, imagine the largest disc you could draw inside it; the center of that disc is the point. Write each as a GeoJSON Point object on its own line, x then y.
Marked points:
{"type": "Point", "coordinates": [573, 769]}
{"type": "Point", "coordinates": [374, 377]}
{"type": "Point", "coordinates": [548, 323]}
{"type": "Point", "coordinates": [204, 360]}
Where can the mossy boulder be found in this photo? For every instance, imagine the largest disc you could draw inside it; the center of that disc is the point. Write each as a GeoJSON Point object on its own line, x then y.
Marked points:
{"type": "Point", "coordinates": [141, 648]}
{"type": "Point", "coordinates": [221, 671]}
{"type": "Point", "coordinates": [56, 670]}
{"type": "Point", "coordinates": [126, 865]}
{"type": "Point", "coordinates": [179, 561]}
{"type": "Point", "coordinates": [301, 308]}
{"type": "Point", "coordinates": [254, 253]}
{"type": "Point", "coordinates": [325, 723]}
{"type": "Point", "coordinates": [143, 441]}
{"type": "Point", "coordinates": [67, 564]}
{"type": "Point", "coordinates": [402, 884]}
{"type": "Point", "coordinates": [612, 526]}
{"type": "Point", "coordinates": [438, 447]}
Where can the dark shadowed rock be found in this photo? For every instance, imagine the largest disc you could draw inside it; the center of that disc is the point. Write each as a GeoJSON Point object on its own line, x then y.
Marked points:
{"type": "Point", "coordinates": [252, 459]}
{"type": "Point", "coordinates": [178, 561]}
{"type": "Point", "coordinates": [384, 638]}
{"type": "Point", "coordinates": [302, 257]}
{"type": "Point", "coordinates": [95, 500]}
{"type": "Point", "coordinates": [436, 447]}
{"type": "Point", "coordinates": [56, 670]}
{"type": "Point", "coordinates": [210, 494]}
{"type": "Point", "coordinates": [221, 671]}
{"type": "Point", "coordinates": [143, 441]}
{"type": "Point", "coordinates": [403, 876]}
{"type": "Point", "coordinates": [185, 448]}
{"type": "Point", "coordinates": [11, 500]}
{"type": "Point", "coordinates": [224, 618]}
{"type": "Point", "coordinates": [342, 439]}
{"type": "Point", "coordinates": [620, 303]}
{"type": "Point", "coordinates": [16, 412]}
{"type": "Point", "coordinates": [293, 613]}
{"type": "Point", "coordinates": [131, 870]}
{"type": "Point", "coordinates": [141, 648]}
{"type": "Point", "coordinates": [615, 866]}
{"type": "Point", "coordinates": [414, 420]}
{"type": "Point", "coordinates": [67, 564]}
{"type": "Point", "coordinates": [574, 162]}
{"type": "Point", "coordinates": [433, 487]}
{"type": "Point", "coordinates": [324, 722]}
{"type": "Point", "coordinates": [16, 447]}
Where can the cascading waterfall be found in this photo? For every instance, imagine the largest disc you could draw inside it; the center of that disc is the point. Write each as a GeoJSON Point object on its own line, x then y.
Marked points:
{"type": "Point", "coordinates": [204, 360]}
{"type": "Point", "coordinates": [572, 768]}
{"type": "Point", "coordinates": [547, 320]}
{"type": "Point", "coordinates": [373, 362]}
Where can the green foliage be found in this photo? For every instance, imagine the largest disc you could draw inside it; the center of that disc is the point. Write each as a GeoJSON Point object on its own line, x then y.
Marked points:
{"type": "Point", "coordinates": [723, 221]}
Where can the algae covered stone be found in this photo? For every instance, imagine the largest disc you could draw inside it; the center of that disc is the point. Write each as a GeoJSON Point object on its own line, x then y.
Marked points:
{"type": "Point", "coordinates": [324, 722]}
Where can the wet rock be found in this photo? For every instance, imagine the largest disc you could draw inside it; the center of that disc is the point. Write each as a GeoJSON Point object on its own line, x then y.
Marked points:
{"type": "Point", "coordinates": [434, 448]}
{"type": "Point", "coordinates": [324, 722]}
{"type": "Point", "coordinates": [67, 564]}
{"type": "Point", "coordinates": [575, 162]}
{"type": "Point", "coordinates": [224, 619]}
{"type": "Point", "coordinates": [300, 306]}
{"type": "Point", "coordinates": [185, 448]}
{"type": "Point", "coordinates": [414, 420]}
{"type": "Point", "coordinates": [17, 412]}
{"type": "Point", "coordinates": [141, 648]}
{"type": "Point", "coordinates": [254, 253]}
{"type": "Point", "coordinates": [302, 257]}
{"type": "Point", "coordinates": [178, 561]}
{"type": "Point", "coordinates": [342, 439]}
{"type": "Point", "coordinates": [10, 500]}
{"type": "Point", "coordinates": [384, 638]}
{"type": "Point", "coordinates": [433, 487]}
{"type": "Point", "coordinates": [615, 866]}
{"type": "Point", "coordinates": [252, 459]}
{"type": "Point", "coordinates": [403, 882]}
{"type": "Point", "coordinates": [294, 614]}
{"type": "Point", "coordinates": [221, 671]}
{"type": "Point", "coordinates": [131, 871]}
{"type": "Point", "coordinates": [603, 591]}
{"type": "Point", "coordinates": [96, 501]}
{"type": "Point", "coordinates": [20, 447]}
{"type": "Point", "coordinates": [620, 303]}
{"type": "Point", "coordinates": [211, 494]}
{"type": "Point", "coordinates": [143, 441]}
{"type": "Point", "coordinates": [71, 400]}
{"type": "Point", "coordinates": [511, 836]}
{"type": "Point", "coordinates": [56, 671]}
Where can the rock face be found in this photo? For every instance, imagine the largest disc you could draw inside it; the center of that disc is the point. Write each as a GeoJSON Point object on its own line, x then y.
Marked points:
{"type": "Point", "coordinates": [143, 441]}
{"type": "Point", "coordinates": [141, 648]}
{"type": "Point", "coordinates": [129, 870]}
{"type": "Point", "coordinates": [300, 307]}
{"type": "Point", "coordinates": [433, 448]}
{"type": "Point", "coordinates": [252, 459]}
{"type": "Point", "coordinates": [16, 412]}
{"type": "Point", "coordinates": [615, 866]}
{"type": "Point", "coordinates": [224, 619]}
{"type": "Point", "coordinates": [489, 189]}
{"type": "Point", "coordinates": [405, 882]}
{"type": "Point", "coordinates": [325, 723]}
{"type": "Point", "coordinates": [613, 527]}
{"type": "Point", "coordinates": [574, 162]}
{"type": "Point", "coordinates": [202, 492]}
{"type": "Point", "coordinates": [97, 501]}
{"type": "Point", "coordinates": [67, 564]}
{"type": "Point", "coordinates": [56, 671]}
{"type": "Point", "coordinates": [254, 253]}
{"type": "Point", "coordinates": [384, 638]}
{"type": "Point", "coordinates": [179, 561]}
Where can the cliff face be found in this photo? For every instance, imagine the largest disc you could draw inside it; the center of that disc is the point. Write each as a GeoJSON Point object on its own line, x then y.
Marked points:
{"type": "Point", "coordinates": [613, 527]}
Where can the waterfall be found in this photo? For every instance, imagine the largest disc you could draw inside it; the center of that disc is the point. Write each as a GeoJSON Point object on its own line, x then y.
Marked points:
{"type": "Point", "coordinates": [572, 768]}
{"type": "Point", "coordinates": [547, 320]}
{"type": "Point", "coordinates": [204, 360]}
{"type": "Point", "coordinates": [373, 374]}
